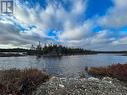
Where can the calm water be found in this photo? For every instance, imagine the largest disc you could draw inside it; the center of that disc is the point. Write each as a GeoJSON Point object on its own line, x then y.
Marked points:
{"type": "Point", "coordinates": [68, 66]}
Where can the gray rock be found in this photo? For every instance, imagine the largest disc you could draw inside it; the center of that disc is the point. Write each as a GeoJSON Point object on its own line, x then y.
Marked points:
{"type": "Point", "coordinates": [73, 86]}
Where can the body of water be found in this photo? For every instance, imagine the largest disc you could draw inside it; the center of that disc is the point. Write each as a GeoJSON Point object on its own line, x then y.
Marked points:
{"type": "Point", "coordinates": [67, 66]}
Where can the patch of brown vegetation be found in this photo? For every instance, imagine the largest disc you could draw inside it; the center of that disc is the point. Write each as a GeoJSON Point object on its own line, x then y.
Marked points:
{"type": "Point", "coordinates": [117, 71]}
{"type": "Point", "coordinates": [21, 82]}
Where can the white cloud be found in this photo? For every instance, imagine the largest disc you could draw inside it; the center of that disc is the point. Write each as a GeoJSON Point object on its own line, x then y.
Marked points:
{"type": "Point", "coordinates": [116, 16]}
{"type": "Point", "coordinates": [78, 7]}
{"type": "Point", "coordinates": [120, 3]}
{"type": "Point", "coordinates": [33, 24]}
{"type": "Point", "coordinates": [75, 32]}
{"type": "Point", "coordinates": [120, 41]}
{"type": "Point", "coordinates": [54, 18]}
{"type": "Point", "coordinates": [43, 20]}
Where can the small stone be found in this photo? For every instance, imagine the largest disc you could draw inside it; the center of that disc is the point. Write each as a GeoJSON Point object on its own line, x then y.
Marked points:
{"type": "Point", "coordinates": [92, 78]}
{"type": "Point", "coordinates": [62, 86]}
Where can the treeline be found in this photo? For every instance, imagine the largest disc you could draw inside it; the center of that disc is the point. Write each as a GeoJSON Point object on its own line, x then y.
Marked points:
{"type": "Point", "coordinates": [109, 52]}
{"type": "Point", "coordinates": [14, 50]}
{"type": "Point", "coordinates": [64, 50]}
{"type": "Point", "coordinates": [51, 49]}
{"type": "Point", "coordinates": [59, 50]}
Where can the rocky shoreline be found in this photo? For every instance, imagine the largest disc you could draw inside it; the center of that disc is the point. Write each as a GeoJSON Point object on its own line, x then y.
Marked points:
{"type": "Point", "coordinates": [74, 86]}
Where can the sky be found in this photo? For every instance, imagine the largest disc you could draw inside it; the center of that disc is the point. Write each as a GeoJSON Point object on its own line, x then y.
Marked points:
{"type": "Point", "coordinates": [88, 24]}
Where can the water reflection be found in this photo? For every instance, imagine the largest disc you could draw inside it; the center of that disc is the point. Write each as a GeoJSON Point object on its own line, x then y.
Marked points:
{"type": "Point", "coordinates": [68, 66]}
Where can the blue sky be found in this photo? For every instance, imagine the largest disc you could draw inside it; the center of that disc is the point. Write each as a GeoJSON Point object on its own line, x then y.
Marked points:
{"type": "Point", "coordinates": [89, 24]}
{"type": "Point", "coordinates": [98, 7]}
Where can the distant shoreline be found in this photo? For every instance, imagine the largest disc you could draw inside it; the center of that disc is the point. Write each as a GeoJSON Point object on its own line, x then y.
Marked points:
{"type": "Point", "coordinates": [27, 52]}
{"type": "Point", "coordinates": [53, 51]}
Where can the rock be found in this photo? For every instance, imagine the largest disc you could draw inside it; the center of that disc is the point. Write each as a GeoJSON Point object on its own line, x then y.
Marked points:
{"type": "Point", "coordinates": [60, 85]}
{"type": "Point", "coordinates": [94, 79]}
{"type": "Point", "coordinates": [107, 79]}
{"type": "Point", "coordinates": [73, 86]}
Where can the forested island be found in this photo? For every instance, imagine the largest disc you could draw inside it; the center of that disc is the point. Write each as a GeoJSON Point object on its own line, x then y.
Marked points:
{"type": "Point", "coordinates": [47, 50]}
{"type": "Point", "coordinates": [52, 50]}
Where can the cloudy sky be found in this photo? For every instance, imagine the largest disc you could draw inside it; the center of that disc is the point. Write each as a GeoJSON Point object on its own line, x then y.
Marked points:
{"type": "Point", "coordinates": [89, 24]}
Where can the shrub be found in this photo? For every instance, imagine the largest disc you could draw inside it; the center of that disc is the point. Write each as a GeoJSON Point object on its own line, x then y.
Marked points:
{"type": "Point", "coordinates": [118, 71]}
{"type": "Point", "coordinates": [21, 82]}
